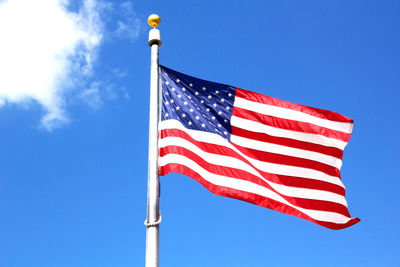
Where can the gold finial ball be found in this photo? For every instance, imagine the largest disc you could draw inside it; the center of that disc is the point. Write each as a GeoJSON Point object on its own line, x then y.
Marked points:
{"type": "Point", "coordinates": [154, 20]}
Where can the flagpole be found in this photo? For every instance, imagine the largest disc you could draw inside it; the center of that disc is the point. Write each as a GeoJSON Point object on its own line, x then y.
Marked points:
{"type": "Point", "coordinates": [153, 186]}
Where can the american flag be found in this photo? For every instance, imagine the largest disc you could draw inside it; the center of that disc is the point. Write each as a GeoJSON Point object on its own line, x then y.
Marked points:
{"type": "Point", "coordinates": [256, 148]}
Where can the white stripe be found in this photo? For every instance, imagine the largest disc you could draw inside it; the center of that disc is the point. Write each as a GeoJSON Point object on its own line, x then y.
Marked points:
{"type": "Point", "coordinates": [291, 114]}
{"type": "Point", "coordinates": [286, 150]}
{"type": "Point", "coordinates": [231, 162]}
{"type": "Point", "coordinates": [201, 136]}
{"type": "Point", "coordinates": [274, 131]}
{"type": "Point", "coordinates": [297, 172]}
{"type": "Point", "coordinates": [250, 187]}
{"type": "Point", "coordinates": [279, 169]}
{"type": "Point", "coordinates": [221, 160]}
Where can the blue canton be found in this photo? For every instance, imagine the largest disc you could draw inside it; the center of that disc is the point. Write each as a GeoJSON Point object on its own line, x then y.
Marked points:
{"type": "Point", "coordinates": [197, 104]}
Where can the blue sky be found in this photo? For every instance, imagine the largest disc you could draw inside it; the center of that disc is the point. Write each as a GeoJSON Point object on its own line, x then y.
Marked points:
{"type": "Point", "coordinates": [74, 94]}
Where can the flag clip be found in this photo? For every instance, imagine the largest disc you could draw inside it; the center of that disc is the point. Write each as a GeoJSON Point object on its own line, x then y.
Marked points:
{"type": "Point", "coordinates": [153, 224]}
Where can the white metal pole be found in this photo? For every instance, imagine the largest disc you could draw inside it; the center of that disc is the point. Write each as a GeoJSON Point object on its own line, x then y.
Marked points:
{"type": "Point", "coordinates": [153, 187]}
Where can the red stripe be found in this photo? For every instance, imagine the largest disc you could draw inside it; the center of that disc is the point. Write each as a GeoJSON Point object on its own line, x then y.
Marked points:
{"type": "Point", "coordinates": [213, 168]}
{"type": "Point", "coordinates": [243, 175]}
{"type": "Point", "coordinates": [288, 160]}
{"type": "Point", "coordinates": [250, 197]}
{"type": "Point", "coordinates": [292, 125]}
{"type": "Point", "coordinates": [306, 183]}
{"type": "Point", "coordinates": [280, 179]}
{"type": "Point", "coordinates": [316, 112]}
{"type": "Point", "coordinates": [330, 151]}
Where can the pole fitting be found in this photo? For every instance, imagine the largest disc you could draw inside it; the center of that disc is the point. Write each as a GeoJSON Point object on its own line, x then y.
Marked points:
{"type": "Point", "coordinates": [154, 37]}
{"type": "Point", "coordinates": [154, 223]}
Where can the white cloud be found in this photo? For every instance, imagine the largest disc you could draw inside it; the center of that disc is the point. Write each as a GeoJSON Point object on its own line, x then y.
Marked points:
{"type": "Point", "coordinates": [118, 73]}
{"type": "Point", "coordinates": [91, 96]}
{"type": "Point", "coordinates": [43, 46]}
{"type": "Point", "coordinates": [47, 53]}
{"type": "Point", "coordinates": [127, 96]}
{"type": "Point", "coordinates": [129, 25]}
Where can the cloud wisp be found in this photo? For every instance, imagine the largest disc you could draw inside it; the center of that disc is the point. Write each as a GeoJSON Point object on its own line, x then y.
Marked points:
{"type": "Point", "coordinates": [47, 50]}
{"type": "Point", "coordinates": [131, 25]}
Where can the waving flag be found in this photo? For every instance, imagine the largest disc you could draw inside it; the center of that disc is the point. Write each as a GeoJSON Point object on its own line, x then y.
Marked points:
{"type": "Point", "coordinates": [255, 148]}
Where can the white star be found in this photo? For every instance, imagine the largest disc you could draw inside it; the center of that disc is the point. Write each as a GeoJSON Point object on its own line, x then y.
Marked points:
{"type": "Point", "coordinates": [191, 110]}
{"type": "Point", "coordinates": [189, 97]}
{"type": "Point", "coordinates": [183, 115]}
{"type": "Point", "coordinates": [166, 74]}
{"type": "Point", "coordinates": [202, 101]}
{"type": "Point", "coordinates": [166, 114]}
{"type": "Point", "coordinates": [228, 108]}
{"type": "Point", "coordinates": [167, 103]}
{"type": "Point", "coordinates": [209, 97]}
{"type": "Point", "coordinates": [166, 82]}
{"type": "Point", "coordinates": [213, 117]}
{"type": "Point", "coordinates": [203, 125]}
{"type": "Point", "coordinates": [207, 109]}
{"type": "Point", "coordinates": [216, 91]}
{"type": "Point", "coordinates": [172, 101]}
{"type": "Point", "coordinates": [196, 93]}
{"type": "Point", "coordinates": [229, 94]}
{"type": "Point", "coordinates": [222, 100]}
{"type": "Point", "coordinates": [166, 93]}
{"type": "Point", "coordinates": [204, 88]}
{"type": "Point", "coordinates": [183, 89]}
{"type": "Point", "coordinates": [219, 112]}
{"type": "Point", "coordinates": [219, 125]}
{"type": "Point", "coordinates": [215, 105]}
{"type": "Point", "coordinates": [190, 123]}
{"type": "Point", "coordinates": [197, 117]}
{"type": "Point", "coordinates": [190, 84]}
{"type": "Point", "coordinates": [185, 103]}
{"type": "Point", "coordinates": [178, 108]}
{"type": "Point", "coordinates": [225, 120]}
{"type": "Point", "coordinates": [173, 89]}
{"type": "Point", "coordinates": [179, 96]}
{"type": "Point", "coordinates": [225, 132]}
{"type": "Point", "coordinates": [177, 80]}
